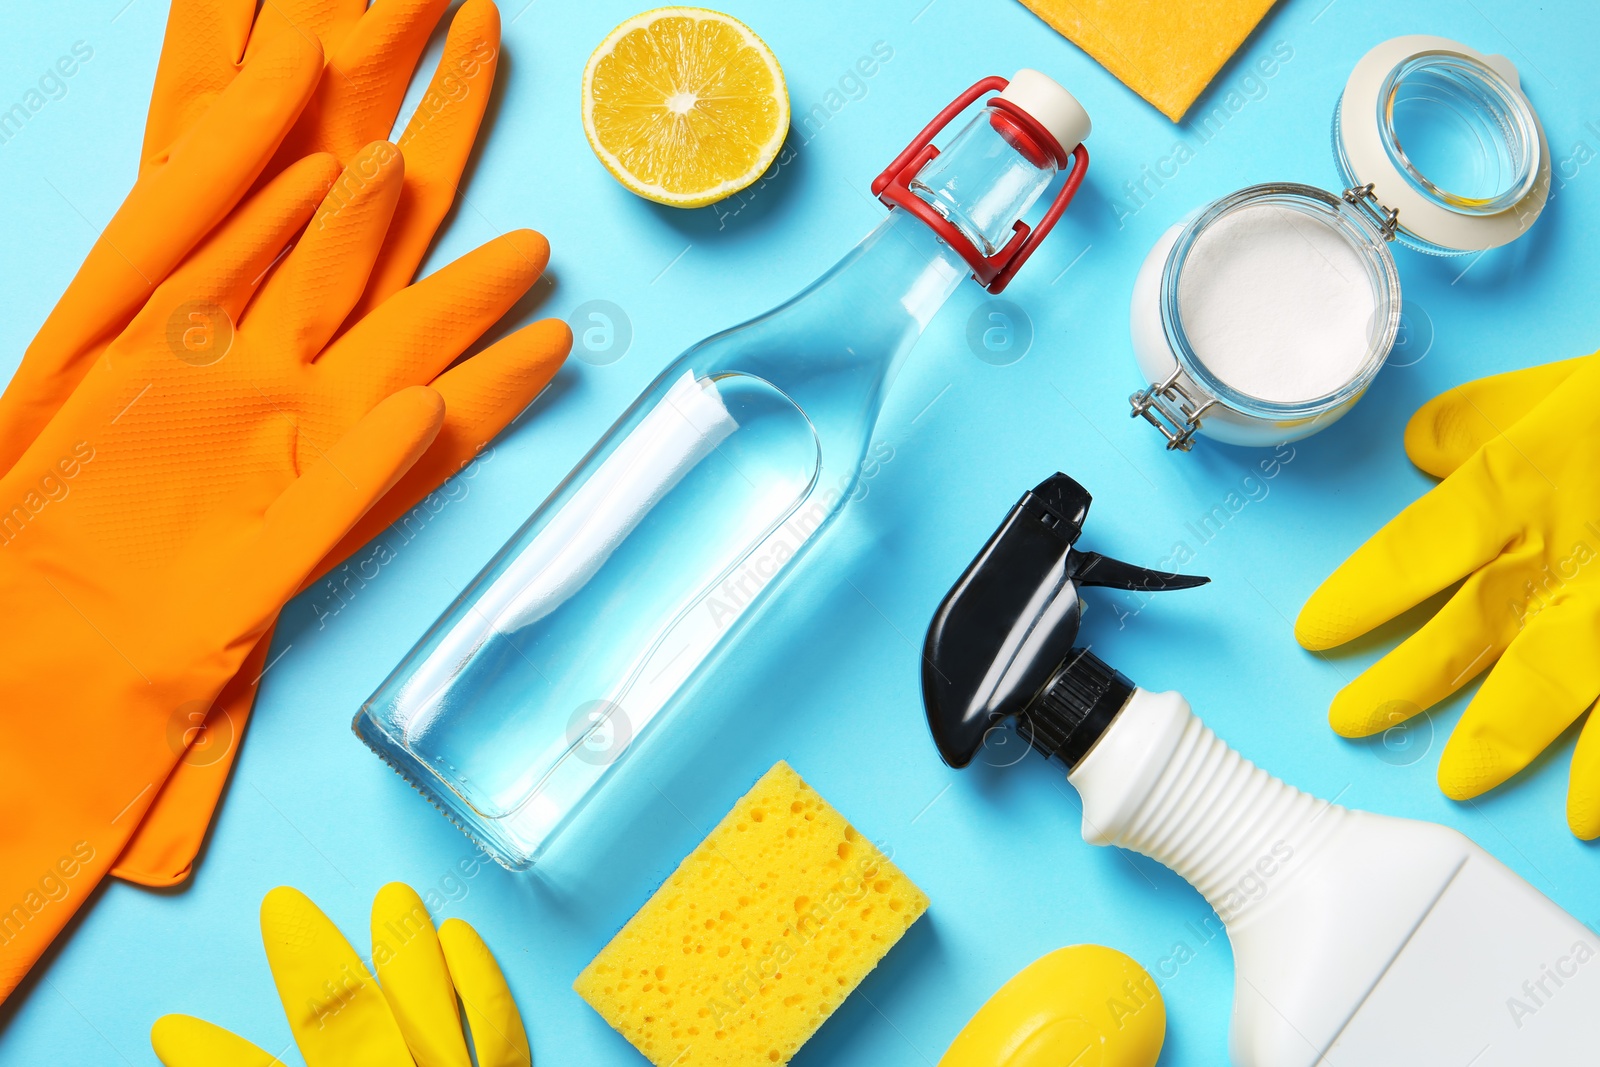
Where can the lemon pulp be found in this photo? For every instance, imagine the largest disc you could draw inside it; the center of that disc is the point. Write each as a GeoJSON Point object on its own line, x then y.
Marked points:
{"type": "Point", "coordinates": [684, 106]}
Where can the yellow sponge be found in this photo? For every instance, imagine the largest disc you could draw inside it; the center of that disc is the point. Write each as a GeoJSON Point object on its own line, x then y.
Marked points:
{"type": "Point", "coordinates": [756, 938]}
{"type": "Point", "coordinates": [1167, 51]}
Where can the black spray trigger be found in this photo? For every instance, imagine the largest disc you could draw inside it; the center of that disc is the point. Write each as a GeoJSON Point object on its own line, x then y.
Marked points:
{"type": "Point", "coordinates": [1004, 634]}
{"type": "Point", "coordinates": [1091, 568]}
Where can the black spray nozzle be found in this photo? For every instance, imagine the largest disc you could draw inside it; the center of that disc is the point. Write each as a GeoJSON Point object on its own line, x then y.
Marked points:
{"type": "Point", "coordinates": [1001, 642]}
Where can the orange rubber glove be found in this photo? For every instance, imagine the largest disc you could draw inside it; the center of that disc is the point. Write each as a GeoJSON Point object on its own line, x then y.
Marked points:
{"type": "Point", "coordinates": [436, 145]}
{"type": "Point", "coordinates": [220, 101]}
{"type": "Point", "coordinates": [173, 204]}
{"type": "Point", "coordinates": [239, 96]}
{"type": "Point", "coordinates": [197, 475]}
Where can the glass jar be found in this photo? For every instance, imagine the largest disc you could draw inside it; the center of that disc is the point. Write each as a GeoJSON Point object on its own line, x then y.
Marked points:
{"type": "Point", "coordinates": [1188, 390]}
{"type": "Point", "coordinates": [1438, 148]}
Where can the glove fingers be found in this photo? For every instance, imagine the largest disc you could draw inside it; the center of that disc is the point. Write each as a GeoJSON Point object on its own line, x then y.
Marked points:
{"type": "Point", "coordinates": [223, 273]}
{"type": "Point", "coordinates": [336, 1011]}
{"type": "Point", "coordinates": [319, 507]}
{"type": "Point", "coordinates": [329, 21]}
{"type": "Point", "coordinates": [184, 1041]}
{"type": "Point", "coordinates": [304, 302]}
{"type": "Point", "coordinates": [1441, 537]}
{"type": "Point", "coordinates": [498, 1036]}
{"type": "Point", "coordinates": [1447, 652]}
{"type": "Point", "coordinates": [366, 79]}
{"type": "Point", "coordinates": [1452, 426]}
{"type": "Point", "coordinates": [437, 143]}
{"type": "Point", "coordinates": [1583, 787]}
{"type": "Point", "coordinates": [481, 397]}
{"type": "Point", "coordinates": [421, 330]}
{"type": "Point", "coordinates": [200, 56]}
{"type": "Point", "coordinates": [415, 978]}
{"type": "Point", "coordinates": [162, 850]}
{"type": "Point", "coordinates": [215, 280]}
{"type": "Point", "coordinates": [1544, 680]}
{"type": "Point", "coordinates": [168, 212]}
{"type": "Point", "coordinates": [215, 160]}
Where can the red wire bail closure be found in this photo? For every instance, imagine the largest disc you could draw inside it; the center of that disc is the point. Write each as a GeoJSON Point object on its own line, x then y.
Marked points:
{"type": "Point", "coordinates": [995, 272]}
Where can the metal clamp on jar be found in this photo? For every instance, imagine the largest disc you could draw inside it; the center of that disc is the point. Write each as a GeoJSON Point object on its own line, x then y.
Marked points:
{"type": "Point", "coordinates": [1263, 316]}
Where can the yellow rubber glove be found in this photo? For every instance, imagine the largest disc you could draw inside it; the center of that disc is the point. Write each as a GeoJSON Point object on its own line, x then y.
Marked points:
{"type": "Point", "coordinates": [1455, 424]}
{"type": "Point", "coordinates": [1087, 1006]}
{"type": "Point", "coordinates": [342, 1017]}
{"type": "Point", "coordinates": [222, 446]}
{"type": "Point", "coordinates": [1517, 521]}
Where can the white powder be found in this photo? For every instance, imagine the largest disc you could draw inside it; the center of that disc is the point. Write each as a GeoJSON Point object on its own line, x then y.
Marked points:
{"type": "Point", "coordinates": [1276, 303]}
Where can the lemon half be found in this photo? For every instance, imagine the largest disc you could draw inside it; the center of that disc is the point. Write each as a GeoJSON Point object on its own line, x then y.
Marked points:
{"type": "Point", "coordinates": [684, 106]}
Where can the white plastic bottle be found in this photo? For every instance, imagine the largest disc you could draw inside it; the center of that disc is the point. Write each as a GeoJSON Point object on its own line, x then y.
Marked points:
{"type": "Point", "coordinates": [1359, 940]}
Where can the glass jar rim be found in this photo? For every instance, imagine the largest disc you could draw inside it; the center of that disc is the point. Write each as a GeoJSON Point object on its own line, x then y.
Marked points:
{"type": "Point", "coordinates": [1364, 237]}
{"type": "Point", "coordinates": [1520, 130]}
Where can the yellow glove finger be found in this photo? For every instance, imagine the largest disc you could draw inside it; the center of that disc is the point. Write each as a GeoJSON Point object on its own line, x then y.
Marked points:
{"type": "Point", "coordinates": [481, 397]}
{"type": "Point", "coordinates": [358, 98]}
{"type": "Point", "coordinates": [1583, 786]}
{"type": "Point", "coordinates": [1545, 679]}
{"type": "Point", "coordinates": [497, 1033]}
{"type": "Point", "coordinates": [305, 300]}
{"type": "Point", "coordinates": [225, 271]}
{"type": "Point", "coordinates": [437, 143]}
{"type": "Point", "coordinates": [1440, 538]}
{"type": "Point", "coordinates": [1448, 651]}
{"type": "Point", "coordinates": [1453, 425]}
{"type": "Point", "coordinates": [415, 978]}
{"type": "Point", "coordinates": [184, 1041]}
{"type": "Point", "coordinates": [421, 330]}
{"type": "Point", "coordinates": [336, 1011]}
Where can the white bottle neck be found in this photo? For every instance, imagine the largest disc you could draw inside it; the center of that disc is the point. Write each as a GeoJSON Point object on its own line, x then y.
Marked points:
{"type": "Point", "coordinates": [1162, 784]}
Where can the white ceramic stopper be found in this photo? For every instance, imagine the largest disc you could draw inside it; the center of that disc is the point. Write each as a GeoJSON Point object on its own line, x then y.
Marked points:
{"type": "Point", "coordinates": [1056, 109]}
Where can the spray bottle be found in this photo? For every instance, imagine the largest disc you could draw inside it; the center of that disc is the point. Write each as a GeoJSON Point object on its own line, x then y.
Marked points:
{"type": "Point", "coordinates": [1378, 940]}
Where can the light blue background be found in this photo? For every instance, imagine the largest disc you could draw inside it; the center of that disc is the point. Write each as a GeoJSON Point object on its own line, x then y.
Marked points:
{"type": "Point", "coordinates": [830, 679]}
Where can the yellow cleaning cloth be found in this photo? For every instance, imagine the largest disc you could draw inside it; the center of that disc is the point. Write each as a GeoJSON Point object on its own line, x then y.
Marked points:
{"type": "Point", "coordinates": [756, 938]}
{"type": "Point", "coordinates": [1167, 51]}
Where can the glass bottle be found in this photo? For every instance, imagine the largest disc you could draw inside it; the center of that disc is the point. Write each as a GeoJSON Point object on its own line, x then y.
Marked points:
{"type": "Point", "coordinates": [640, 568]}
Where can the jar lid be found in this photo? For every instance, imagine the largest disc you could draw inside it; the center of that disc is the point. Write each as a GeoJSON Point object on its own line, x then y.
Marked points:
{"type": "Point", "coordinates": [1446, 139]}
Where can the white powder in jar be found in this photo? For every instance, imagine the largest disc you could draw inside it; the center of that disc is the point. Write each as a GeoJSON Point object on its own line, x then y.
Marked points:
{"type": "Point", "coordinates": [1276, 303]}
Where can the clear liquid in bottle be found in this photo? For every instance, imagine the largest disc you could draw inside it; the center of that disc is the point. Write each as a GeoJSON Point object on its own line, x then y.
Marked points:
{"type": "Point", "coordinates": [638, 571]}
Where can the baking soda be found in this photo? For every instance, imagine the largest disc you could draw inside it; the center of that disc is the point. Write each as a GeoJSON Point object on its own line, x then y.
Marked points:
{"type": "Point", "coordinates": [1277, 303]}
